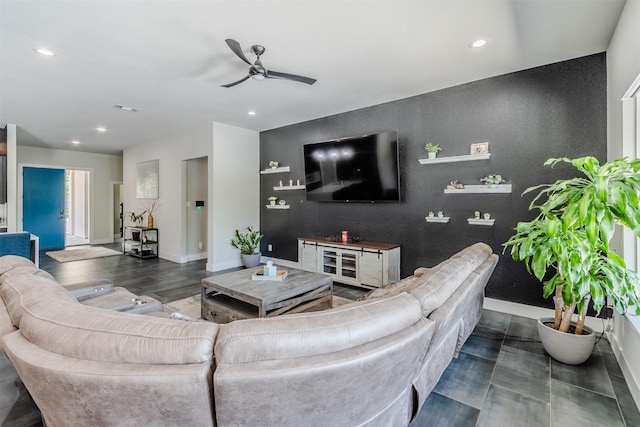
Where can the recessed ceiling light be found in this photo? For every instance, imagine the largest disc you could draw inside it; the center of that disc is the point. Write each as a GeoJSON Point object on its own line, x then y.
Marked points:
{"type": "Point", "coordinates": [43, 51]}
{"type": "Point", "coordinates": [125, 108]}
{"type": "Point", "coordinates": [478, 43]}
{"type": "Point", "coordinates": [252, 113]}
{"type": "Point", "coordinates": [75, 142]}
{"type": "Point", "coordinates": [101, 129]}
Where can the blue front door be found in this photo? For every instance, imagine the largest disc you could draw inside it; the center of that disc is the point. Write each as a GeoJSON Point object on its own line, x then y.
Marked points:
{"type": "Point", "coordinates": [43, 205]}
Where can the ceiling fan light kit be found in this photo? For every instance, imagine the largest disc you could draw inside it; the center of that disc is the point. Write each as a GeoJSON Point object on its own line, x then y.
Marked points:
{"type": "Point", "coordinates": [257, 71]}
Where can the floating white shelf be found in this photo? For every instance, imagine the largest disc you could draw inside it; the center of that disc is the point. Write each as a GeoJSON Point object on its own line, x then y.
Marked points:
{"type": "Point", "coordinates": [281, 169]}
{"type": "Point", "coordinates": [278, 206]}
{"type": "Point", "coordinates": [474, 221]}
{"type": "Point", "coordinates": [440, 219]}
{"type": "Point", "coordinates": [289, 187]}
{"type": "Point", "coordinates": [452, 159]}
{"type": "Point", "coordinates": [486, 189]}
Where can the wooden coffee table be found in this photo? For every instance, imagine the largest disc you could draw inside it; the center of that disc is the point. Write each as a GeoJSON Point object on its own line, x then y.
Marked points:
{"type": "Point", "coordinates": [235, 296]}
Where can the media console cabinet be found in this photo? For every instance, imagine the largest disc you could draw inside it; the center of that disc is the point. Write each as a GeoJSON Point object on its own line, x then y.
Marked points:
{"type": "Point", "coordinates": [366, 264]}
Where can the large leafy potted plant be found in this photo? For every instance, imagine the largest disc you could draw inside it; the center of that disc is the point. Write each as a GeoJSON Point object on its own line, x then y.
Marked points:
{"type": "Point", "coordinates": [567, 248]}
{"type": "Point", "coordinates": [248, 243]}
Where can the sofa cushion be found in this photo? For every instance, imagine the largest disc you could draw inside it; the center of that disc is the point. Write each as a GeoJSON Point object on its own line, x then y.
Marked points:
{"type": "Point", "coordinates": [89, 288]}
{"type": "Point", "coordinates": [22, 291]}
{"type": "Point", "coordinates": [316, 333]}
{"type": "Point", "coordinates": [6, 325]}
{"type": "Point", "coordinates": [31, 269]}
{"type": "Point", "coordinates": [119, 299]}
{"type": "Point", "coordinates": [91, 333]}
{"type": "Point", "coordinates": [7, 262]}
{"type": "Point", "coordinates": [439, 285]}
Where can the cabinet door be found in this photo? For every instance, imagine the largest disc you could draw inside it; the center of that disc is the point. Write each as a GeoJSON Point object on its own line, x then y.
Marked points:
{"type": "Point", "coordinates": [310, 258]}
{"type": "Point", "coordinates": [330, 261]}
{"type": "Point", "coordinates": [371, 268]}
{"type": "Point", "coordinates": [349, 265]}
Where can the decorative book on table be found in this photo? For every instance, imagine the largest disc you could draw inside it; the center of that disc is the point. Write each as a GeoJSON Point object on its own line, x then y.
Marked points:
{"type": "Point", "coordinates": [279, 277]}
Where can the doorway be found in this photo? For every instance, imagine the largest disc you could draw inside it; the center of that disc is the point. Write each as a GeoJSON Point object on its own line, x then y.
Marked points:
{"type": "Point", "coordinates": [76, 207]}
{"type": "Point", "coordinates": [196, 217]}
{"type": "Point", "coordinates": [55, 206]}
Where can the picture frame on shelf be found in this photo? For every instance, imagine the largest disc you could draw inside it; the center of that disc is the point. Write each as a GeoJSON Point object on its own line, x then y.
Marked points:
{"type": "Point", "coordinates": [480, 148]}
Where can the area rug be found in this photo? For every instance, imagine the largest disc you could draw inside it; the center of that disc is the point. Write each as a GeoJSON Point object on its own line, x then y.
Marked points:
{"type": "Point", "coordinates": [79, 254]}
{"type": "Point", "coordinates": [190, 306]}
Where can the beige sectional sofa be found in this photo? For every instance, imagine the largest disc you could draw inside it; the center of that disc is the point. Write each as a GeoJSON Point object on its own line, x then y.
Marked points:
{"type": "Point", "coordinates": [372, 362]}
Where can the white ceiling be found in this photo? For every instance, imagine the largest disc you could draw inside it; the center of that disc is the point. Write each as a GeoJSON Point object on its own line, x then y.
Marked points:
{"type": "Point", "coordinates": [169, 58]}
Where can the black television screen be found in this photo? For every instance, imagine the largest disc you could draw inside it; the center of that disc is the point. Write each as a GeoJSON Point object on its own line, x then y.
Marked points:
{"type": "Point", "coordinates": [355, 169]}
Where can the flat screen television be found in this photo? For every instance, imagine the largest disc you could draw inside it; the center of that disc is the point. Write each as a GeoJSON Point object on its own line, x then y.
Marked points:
{"type": "Point", "coordinates": [354, 169]}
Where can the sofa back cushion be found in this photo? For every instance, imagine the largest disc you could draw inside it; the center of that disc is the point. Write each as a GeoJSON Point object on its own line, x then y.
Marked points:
{"type": "Point", "coordinates": [7, 262]}
{"type": "Point", "coordinates": [91, 333]}
{"type": "Point", "coordinates": [22, 288]}
{"type": "Point", "coordinates": [349, 366]}
{"type": "Point", "coordinates": [316, 333]}
{"type": "Point", "coordinates": [442, 282]}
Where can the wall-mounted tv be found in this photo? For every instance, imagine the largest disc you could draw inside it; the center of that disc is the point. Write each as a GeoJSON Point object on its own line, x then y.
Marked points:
{"type": "Point", "coordinates": [354, 169]}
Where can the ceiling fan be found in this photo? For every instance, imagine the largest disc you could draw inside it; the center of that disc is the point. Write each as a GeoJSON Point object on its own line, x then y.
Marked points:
{"type": "Point", "coordinates": [257, 70]}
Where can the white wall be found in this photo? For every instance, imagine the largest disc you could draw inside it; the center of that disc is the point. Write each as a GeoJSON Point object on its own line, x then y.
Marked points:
{"type": "Point", "coordinates": [169, 216]}
{"type": "Point", "coordinates": [233, 189]}
{"type": "Point", "coordinates": [197, 188]}
{"type": "Point", "coordinates": [104, 169]}
{"type": "Point", "coordinates": [12, 179]}
{"type": "Point", "coordinates": [623, 66]}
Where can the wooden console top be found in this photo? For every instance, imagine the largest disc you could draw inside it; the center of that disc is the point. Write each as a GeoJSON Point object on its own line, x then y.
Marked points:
{"type": "Point", "coordinates": [364, 245]}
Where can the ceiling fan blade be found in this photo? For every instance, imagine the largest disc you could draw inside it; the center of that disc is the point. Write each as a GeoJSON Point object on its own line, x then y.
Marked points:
{"type": "Point", "coordinates": [294, 77]}
{"type": "Point", "coordinates": [238, 82]}
{"type": "Point", "coordinates": [235, 47]}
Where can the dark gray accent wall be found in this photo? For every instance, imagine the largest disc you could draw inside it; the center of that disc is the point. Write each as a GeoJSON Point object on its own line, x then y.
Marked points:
{"type": "Point", "coordinates": [558, 110]}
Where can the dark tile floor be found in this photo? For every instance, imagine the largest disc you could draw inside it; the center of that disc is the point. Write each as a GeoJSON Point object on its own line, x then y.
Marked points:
{"type": "Point", "coordinates": [502, 377]}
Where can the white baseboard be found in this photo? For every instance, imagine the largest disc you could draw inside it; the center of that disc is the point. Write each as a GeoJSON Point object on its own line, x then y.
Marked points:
{"type": "Point", "coordinates": [533, 312]}
{"type": "Point", "coordinates": [223, 265]}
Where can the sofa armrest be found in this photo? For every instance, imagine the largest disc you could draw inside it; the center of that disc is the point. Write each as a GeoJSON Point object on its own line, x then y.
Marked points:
{"type": "Point", "coordinates": [89, 288]}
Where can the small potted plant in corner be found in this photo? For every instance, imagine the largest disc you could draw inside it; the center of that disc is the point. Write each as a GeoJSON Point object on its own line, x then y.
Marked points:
{"type": "Point", "coordinates": [432, 150]}
{"type": "Point", "coordinates": [272, 200]}
{"type": "Point", "coordinates": [567, 248]}
{"type": "Point", "coordinates": [273, 164]}
{"type": "Point", "coordinates": [248, 243]}
{"type": "Point", "coordinates": [492, 179]}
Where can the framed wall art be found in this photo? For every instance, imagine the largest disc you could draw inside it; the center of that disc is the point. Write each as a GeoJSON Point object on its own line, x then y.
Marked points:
{"type": "Point", "coordinates": [147, 180]}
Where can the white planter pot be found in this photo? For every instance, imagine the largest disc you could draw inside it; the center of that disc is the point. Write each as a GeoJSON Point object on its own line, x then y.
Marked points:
{"type": "Point", "coordinates": [567, 348]}
{"type": "Point", "coordinates": [251, 260]}
{"type": "Point", "coordinates": [272, 202]}
{"type": "Point", "coordinates": [431, 155]}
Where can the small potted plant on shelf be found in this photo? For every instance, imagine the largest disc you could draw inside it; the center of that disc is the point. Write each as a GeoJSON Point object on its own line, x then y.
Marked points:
{"type": "Point", "coordinates": [432, 150]}
{"type": "Point", "coordinates": [492, 179]}
{"type": "Point", "coordinates": [137, 220]}
{"type": "Point", "coordinates": [566, 247]}
{"type": "Point", "coordinates": [273, 164]}
{"type": "Point", "coordinates": [272, 200]}
{"type": "Point", "coordinates": [248, 243]}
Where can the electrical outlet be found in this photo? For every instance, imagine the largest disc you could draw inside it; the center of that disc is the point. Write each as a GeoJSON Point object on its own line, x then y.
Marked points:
{"type": "Point", "coordinates": [269, 248]}
{"type": "Point", "coordinates": [200, 245]}
{"type": "Point", "coordinates": [607, 312]}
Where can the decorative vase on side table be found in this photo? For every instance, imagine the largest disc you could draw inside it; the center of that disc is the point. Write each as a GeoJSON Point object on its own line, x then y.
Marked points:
{"type": "Point", "coordinates": [150, 221]}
